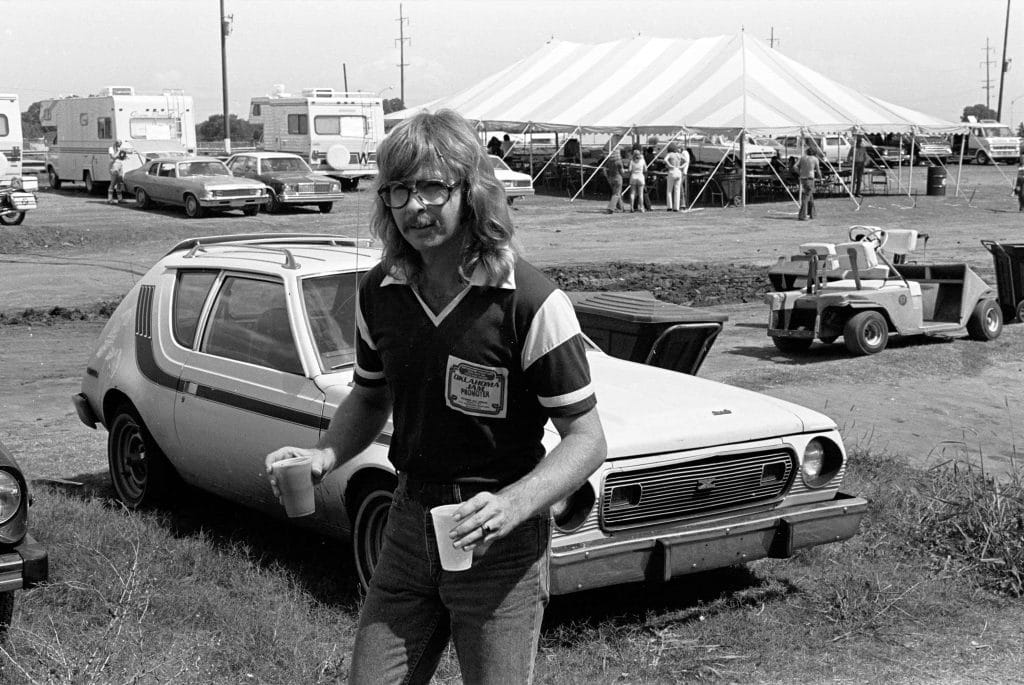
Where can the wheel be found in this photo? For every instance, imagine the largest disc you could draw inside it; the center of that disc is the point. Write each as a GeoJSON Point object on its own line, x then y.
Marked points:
{"type": "Point", "coordinates": [90, 186]}
{"type": "Point", "coordinates": [193, 210]}
{"type": "Point", "coordinates": [251, 210]}
{"type": "Point", "coordinates": [141, 198]}
{"type": "Point", "coordinates": [866, 333]}
{"type": "Point", "coordinates": [1020, 311]}
{"type": "Point", "coordinates": [325, 207]}
{"type": "Point", "coordinates": [6, 611]}
{"type": "Point", "coordinates": [986, 322]}
{"type": "Point", "coordinates": [139, 471]}
{"type": "Point", "coordinates": [981, 157]}
{"type": "Point", "coordinates": [11, 218]}
{"type": "Point", "coordinates": [54, 179]}
{"type": "Point", "coordinates": [274, 206]}
{"type": "Point", "coordinates": [792, 345]}
{"type": "Point", "coordinates": [349, 183]}
{"type": "Point", "coordinates": [368, 529]}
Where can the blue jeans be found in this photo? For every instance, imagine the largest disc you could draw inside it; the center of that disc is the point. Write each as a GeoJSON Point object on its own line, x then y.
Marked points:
{"type": "Point", "coordinates": [492, 612]}
{"type": "Point", "coordinates": [806, 199]}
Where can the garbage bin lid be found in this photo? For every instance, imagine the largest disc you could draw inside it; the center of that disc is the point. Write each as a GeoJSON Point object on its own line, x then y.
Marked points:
{"type": "Point", "coordinates": [640, 307]}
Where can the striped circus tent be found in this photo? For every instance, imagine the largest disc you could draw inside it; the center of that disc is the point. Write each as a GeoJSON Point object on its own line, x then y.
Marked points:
{"type": "Point", "coordinates": [662, 85]}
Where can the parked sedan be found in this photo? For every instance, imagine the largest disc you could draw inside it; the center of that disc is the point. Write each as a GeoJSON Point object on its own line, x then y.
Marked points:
{"type": "Point", "coordinates": [222, 354]}
{"type": "Point", "coordinates": [289, 178]}
{"type": "Point", "coordinates": [196, 183]}
{"type": "Point", "coordinates": [23, 561]}
{"type": "Point", "coordinates": [516, 184]}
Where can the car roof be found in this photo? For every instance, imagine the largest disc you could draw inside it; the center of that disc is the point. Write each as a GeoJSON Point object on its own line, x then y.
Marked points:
{"type": "Point", "coordinates": [289, 255]}
{"type": "Point", "coordinates": [265, 155]}
{"type": "Point", "coordinates": [184, 159]}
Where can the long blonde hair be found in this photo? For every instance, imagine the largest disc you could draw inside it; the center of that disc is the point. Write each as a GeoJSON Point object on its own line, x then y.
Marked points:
{"type": "Point", "coordinates": [447, 142]}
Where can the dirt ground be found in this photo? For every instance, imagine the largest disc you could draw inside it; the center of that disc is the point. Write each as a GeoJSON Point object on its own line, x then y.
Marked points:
{"type": "Point", "coordinates": [929, 400]}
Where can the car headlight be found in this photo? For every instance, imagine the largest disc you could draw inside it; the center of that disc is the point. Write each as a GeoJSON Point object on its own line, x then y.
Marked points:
{"type": "Point", "coordinates": [822, 461]}
{"type": "Point", "coordinates": [291, 187]}
{"type": "Point", "coordinates": [16, 183]}
{"type": "Point", "coordinates": [10, 496]}
{"type": "Point", "coordinates": [572, 512]}
{"type": "Point", "coordinates": [335, 188]}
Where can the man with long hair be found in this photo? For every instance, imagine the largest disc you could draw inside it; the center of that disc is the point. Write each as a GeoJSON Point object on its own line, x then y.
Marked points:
{"type": "Point", "coordinates": [471, 350]}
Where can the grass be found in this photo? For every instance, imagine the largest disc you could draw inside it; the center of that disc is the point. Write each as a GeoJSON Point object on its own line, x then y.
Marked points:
{"type": "Point", "coordinates": [208, 593]}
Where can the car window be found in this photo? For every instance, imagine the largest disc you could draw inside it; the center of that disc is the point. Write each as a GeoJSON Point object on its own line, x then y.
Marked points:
{"type": "Point", "coordinates": [190, 291]}
{"type": "Point", "coordinates": [250, 324]}
{"type": "Point", "coordinates": [238, 164]}
{"type": "Point", "coordinates": [202, 169]}
{"type": "Point", "coordinates": [330, 303]}
{"type": "Point", "coordinates": [153, 169]}
{"type": "Point", "coordinates": [498, 163]}
{"type": "Point", "coordinates": [166, 169]}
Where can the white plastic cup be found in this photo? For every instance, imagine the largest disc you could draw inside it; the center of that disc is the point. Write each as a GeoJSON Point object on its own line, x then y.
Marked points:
{"type": "Point", "coordinates": [452, 558]}
{"type": "Point", "coordinates": [295, 483]}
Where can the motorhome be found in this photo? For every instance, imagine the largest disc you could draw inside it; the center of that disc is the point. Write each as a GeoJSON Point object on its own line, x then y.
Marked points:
{"type": "Point", "coordinates": [987, 141]}
{"type": "Point", "coordinates": [10, 138]}
{"type": "Point", "coordinates": [83, 131]}
{"type": "Point", "coordinates": [336, 132]}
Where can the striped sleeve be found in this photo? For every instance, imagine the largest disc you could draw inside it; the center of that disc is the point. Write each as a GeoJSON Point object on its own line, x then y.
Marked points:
{"type": "Point", "coordinates": [369, 370]}
{"type": "Point", "coordinates": [555, 359]}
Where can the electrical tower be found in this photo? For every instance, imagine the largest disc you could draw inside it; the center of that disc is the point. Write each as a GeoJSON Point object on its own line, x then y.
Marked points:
{"type": "Point", "coordinates": [987, 87]}
{"type": "Point", "coordinates": [401, 40]}
{"type": "Point", "coordinates": [772, 40]}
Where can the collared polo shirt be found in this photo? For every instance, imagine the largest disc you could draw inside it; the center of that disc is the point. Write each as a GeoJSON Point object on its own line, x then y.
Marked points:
{"type": "Point", "coordinates": [473, 385]}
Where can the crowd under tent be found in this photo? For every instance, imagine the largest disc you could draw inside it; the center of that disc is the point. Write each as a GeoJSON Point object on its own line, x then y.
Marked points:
{"type": "Point", "coordinates": [727, 85]}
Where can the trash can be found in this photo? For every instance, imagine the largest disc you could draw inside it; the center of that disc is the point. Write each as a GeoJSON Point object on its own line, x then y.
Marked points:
{"type": "Point", "coordinates": [1009, 263]}
{"type": "Point", "coordinates": [936, 180]}
{"type": "Point", "coordinates": [732, 188]}
{"type": "Point", "coordinates": [636, 326]}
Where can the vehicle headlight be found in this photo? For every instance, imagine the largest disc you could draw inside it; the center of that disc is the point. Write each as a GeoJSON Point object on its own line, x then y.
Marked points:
{"type": "Point", "coordinates": [335, 188]}
{"type": "Point", "coordinates": [10, 496]}
{"type": "Point", "coordinates": [291, 187]}
{"type": "Point", "coordinates": [822, 461]}
{"type": "Point", "coordinates": [572, 512]}
{"type": "Point", "coordinates": [16, 183]}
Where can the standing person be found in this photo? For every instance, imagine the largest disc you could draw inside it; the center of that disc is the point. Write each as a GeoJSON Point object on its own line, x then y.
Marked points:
{"type": "Point", "coordinates": [809, 170]}
{"type": "Point", "coordinates": [674, 182]}
{"type": "Point", "coordinates": [637, 169]}
{"type": "Point", "coordinates": [473, 350]}
{"type": "Point", "coordinates": [1018, 186]}
{"type": "Point", "coordinates": [494, 146]}
{"type": "Point", "coordinates": [649, 176]}
{"type": "Point", "coordinates": [116, 186]}
{"type": "Point", "coordinates": [860, 159]}
{"type": "Point", "coordinates": [613, 170]}
{"type": "Point", "coordinates": [506, 145]}
{"type": "Point", "coordinates": [684, 168]}
{"type": "Point", "coordinates": [114, 149]}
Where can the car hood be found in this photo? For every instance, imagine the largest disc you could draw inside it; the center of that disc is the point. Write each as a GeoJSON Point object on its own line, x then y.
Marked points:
{"type": "Point", "coordinates": [224, 181]}
{"type": "Point", "coordinates": [647, 409]}
{"type": "Point", "coordinates": [294, 177]}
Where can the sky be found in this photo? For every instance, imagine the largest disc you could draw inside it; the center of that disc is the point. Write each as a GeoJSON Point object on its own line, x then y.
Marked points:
{"type": "Point", "coordinates": [928, 55]}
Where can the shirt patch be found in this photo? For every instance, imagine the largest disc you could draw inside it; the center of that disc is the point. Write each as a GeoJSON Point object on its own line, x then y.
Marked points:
{"type": "Point", "coordinates": [475, 389]}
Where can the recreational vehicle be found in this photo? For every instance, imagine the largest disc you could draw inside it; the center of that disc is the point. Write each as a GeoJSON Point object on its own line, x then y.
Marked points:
{"type": "Point", "coordinates": [336, 132]}
{"type": "Point", "coordinates": [10, 138]}
{"type": "Point", "coordinates": [84, 131]}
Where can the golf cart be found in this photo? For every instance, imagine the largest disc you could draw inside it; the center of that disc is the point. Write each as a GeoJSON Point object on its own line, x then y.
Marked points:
{"type": "Point", "coordinates": [865, 290]}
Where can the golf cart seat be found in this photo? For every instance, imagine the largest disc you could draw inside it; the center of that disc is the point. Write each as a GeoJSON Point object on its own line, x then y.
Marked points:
{"type": "Point", "coordinates": [826, 249]}
{"type": "Point", "coordinates": [900, 243]}
{"type": "Point", "coordinates": [863, 259]}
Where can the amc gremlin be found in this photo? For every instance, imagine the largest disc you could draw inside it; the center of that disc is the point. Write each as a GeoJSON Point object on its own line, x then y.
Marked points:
{"type": "Point", "coordinates": [232, 346]}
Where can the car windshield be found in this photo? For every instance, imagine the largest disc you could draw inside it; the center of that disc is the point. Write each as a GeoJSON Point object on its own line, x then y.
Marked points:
{"type": "Point", "coordinates": [281, 164]}
{"type": "Point", "coordinates": [998, 131]}
{"type": "Point", "coordinates": [499, 164]}
{"type": "Point", "coordinates": [202, 169]}
{"type": "Point", "coordinates": [330, 303]}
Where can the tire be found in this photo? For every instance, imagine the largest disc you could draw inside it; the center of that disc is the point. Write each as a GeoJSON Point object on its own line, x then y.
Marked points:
{"type": "Point", "coordinates": [193, 210]}
{"type": "Point", "coordinates": [251, 210]}
{"type": "Point", "coordinates": [981, 157]}
{"type": "Point", "coordinates": [274, 205]}
{"type": "Point", "coordinates": [368, 527]}
{"type": "Point", "coordinates": [325, 207]}
{"type": "Point", "coordinates": [6, 612]}
{"type": "Point", "coordinates": [90, 186]}
{"type": "Point", "coordinates": [139, 471]}
{"type": "Point", "coordinates": [142, 200]}
{"type": "Point", "coordinates": [1020, 311]}
{"type": "Point", "coordinates": [866, 333]}
{"type": "Point", "coordinates": [349, 183]}
{"type": "Point", "coordinates": [11, 218]}
{"type": "Point", "coordinates": [51, 175]}
{"type": "Point", "coordinates": [986, 322]}
{"type": "Point", "coordinates": [792, 345]}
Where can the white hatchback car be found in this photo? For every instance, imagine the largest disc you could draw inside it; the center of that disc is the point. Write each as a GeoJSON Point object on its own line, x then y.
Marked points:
{"type": "Point", "coordinates": [517, 184]}
{"type": "Point", "coordinates": [232, 346]}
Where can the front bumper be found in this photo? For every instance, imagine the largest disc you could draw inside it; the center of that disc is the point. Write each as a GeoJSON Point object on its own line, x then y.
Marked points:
{"type": "Point", "coordinates": [26, 565]}
{"type": "Point", "coordinates": [232, 202]}
{"type": "Point", "coordinates": [309, 198]}
{"type": "Point", "coordinates": [648, 555]}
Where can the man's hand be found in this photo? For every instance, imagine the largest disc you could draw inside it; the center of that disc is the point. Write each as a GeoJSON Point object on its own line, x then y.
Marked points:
{"type": "Point", "coordinates": [324, 460]}
{"type": "Point", "coordinates": [484, 518]}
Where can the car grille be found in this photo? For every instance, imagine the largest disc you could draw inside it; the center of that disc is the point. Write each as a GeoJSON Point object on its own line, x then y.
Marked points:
{"type": "Point", "coordinates": [665, 493]}
{"type": "Point", "coordinates": [237, 192]}
{"type": "Point", "coordinates": [314, 187]}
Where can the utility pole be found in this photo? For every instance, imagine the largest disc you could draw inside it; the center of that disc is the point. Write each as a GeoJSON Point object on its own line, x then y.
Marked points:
{"type": "Point", "coordinates": [1005, 64]}
{"type": "Point", "coordinates": [988, 76]}
{"type": "Point", "coordinates": [772, 40]}
{"type": "Point", "coordinates": [402, 21]}
{"type": "Point", "coordinates": [225, 31]}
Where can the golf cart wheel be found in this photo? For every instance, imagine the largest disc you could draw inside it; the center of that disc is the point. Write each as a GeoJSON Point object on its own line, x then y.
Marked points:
{"type": "Point", "coordinates": [368, 526]}
{"type": "Point", "coordinates": [193, 210]}
{"type": "Point", "coordinates": [792, 345]}
{"type": "Point", "coordinates": [986, 322]}
{"type": "Point", "coordinates": [139, 471]}
{"type": "Point", "coordinates": [866, 333]}
{"type": "Point", "coordinates": [11, 218]}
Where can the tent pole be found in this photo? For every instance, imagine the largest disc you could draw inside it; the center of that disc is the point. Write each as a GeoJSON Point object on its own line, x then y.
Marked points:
{"type": "Point", "coordinates": [743, 166]}
{"type": "Point", "coordinates": [960, 164]}
{"type": "Point", "coordinates": [553, 157]}
{"type": "Point", "coordinates": [910, 171]}
{"type": "Point", "coordinates": [592, 175]}
{"type": "Point", "coordinates": [579, 127]}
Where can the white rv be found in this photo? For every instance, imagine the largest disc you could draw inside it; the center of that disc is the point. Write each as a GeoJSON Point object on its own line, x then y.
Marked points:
{"type": "Point", "coordinates": [10, 138]}
{"type": "Point", "coordinates": [86, 128]}
{"type": "Point", "coordinates": [336, 132]}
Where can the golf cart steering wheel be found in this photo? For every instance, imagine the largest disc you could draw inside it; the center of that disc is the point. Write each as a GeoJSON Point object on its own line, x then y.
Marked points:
{"type": "Point", "coordinates": [869, 234]}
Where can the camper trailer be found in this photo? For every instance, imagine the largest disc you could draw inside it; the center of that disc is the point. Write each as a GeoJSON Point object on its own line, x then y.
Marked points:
{"type": "Point", "coordinates": [83, 130]}
{"type": "Point", "coordinates": [336, 132]}
{"type": "Point", "coordinates": [10, 138]}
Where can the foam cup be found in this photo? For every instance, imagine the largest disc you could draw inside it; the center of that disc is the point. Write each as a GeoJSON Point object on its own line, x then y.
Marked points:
{"type": "Point", "coordinates": [295, 483]}
{"type": "Point", "coordinates": [452, 558]}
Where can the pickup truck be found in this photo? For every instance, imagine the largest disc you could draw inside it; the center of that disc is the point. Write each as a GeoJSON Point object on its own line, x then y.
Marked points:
{"type": "Point", "coordinates": [712, 149]}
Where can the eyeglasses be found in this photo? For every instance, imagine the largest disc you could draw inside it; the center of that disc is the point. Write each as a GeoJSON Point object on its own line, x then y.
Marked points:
{"type": "Point", "coordinates": [429, 192]}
